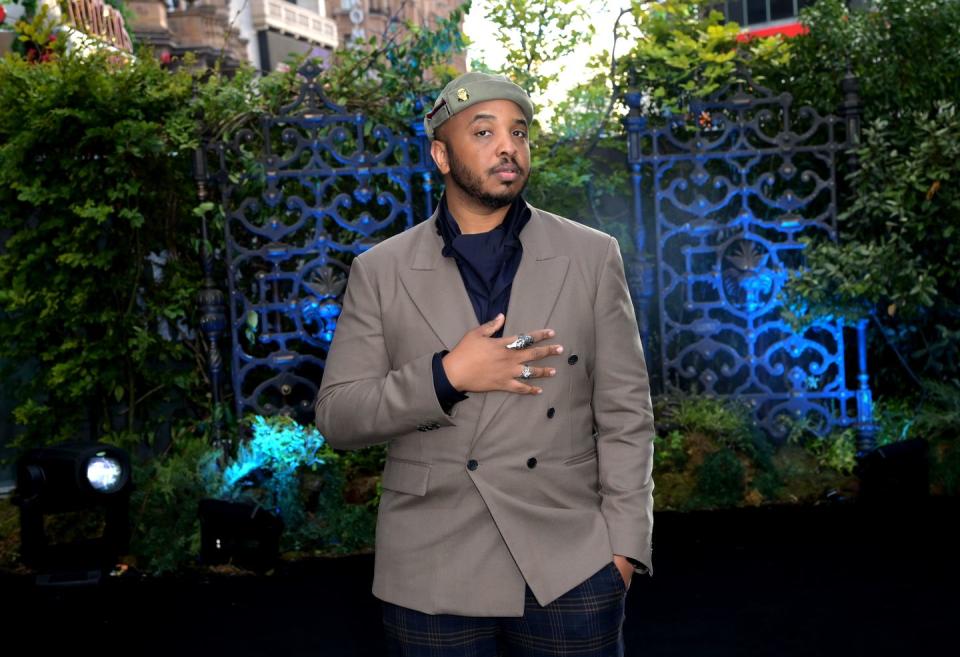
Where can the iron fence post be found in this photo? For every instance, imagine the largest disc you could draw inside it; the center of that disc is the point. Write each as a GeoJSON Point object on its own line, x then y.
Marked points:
{"type": "Point", "coordinates": [210, 301]}
{"type": "Point", "coordinates": [866, 428]}
{"type": "Point", "coordinates": [642, 272]}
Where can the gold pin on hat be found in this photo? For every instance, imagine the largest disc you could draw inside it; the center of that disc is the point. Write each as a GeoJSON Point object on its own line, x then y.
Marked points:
{"type": "Point", "coordinates": [462, 94]}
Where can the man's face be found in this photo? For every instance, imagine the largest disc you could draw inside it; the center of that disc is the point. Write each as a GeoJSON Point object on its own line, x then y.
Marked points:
{"type": "Point", "coordinates": [484, 153]}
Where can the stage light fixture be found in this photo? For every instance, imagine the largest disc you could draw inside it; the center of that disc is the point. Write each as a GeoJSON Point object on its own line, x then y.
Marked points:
{"type": "Point", "coordinates": [105, 474]}
{"type": "Point", "coordinates": [73, 477]}
{"type": "Point", "coordinates": [238, 533]}
{"type": "Point", "coordinates": [897, 474]}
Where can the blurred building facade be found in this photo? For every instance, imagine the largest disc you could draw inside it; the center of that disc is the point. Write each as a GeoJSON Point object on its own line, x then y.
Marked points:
{"type": "Point", "coordinates": [175, 28]}
{"type": "Point", "coordinates": [261, 32]}
{"type": "Point", "coordinates": [362, 19]}
{"type": "Point", "coordinates": [267, 32]}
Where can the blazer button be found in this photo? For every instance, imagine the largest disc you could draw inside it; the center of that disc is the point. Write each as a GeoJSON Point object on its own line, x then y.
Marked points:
{"type": "Point", "coordinates": [573, 359]}
{"type": "Point", "coordinates": [531, 463]}
{"type": "Point", "coordinates": [551, 412]}
{"type": "Point", "coordinates": [472, 464]}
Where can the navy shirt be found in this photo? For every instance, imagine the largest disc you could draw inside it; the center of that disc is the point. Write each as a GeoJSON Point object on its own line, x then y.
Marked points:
{"type": "Point", "coordinates": [488, 263]}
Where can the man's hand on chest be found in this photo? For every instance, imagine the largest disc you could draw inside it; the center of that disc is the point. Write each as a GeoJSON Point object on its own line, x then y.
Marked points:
{"type": "Point", "coordinates": [481, 363]}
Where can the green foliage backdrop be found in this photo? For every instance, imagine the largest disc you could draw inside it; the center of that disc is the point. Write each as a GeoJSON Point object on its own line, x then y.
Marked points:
{"type": "Point", "coordinates": [99, 268]}
{"type": "Point", "coordinates": [896, 260]}
{"type": "Point", "coordinates": [94, 177]}
{"type": "Point", "coordinates": [100, 229]}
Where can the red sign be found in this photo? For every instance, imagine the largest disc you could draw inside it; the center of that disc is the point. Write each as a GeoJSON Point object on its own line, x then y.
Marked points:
{"type": "Point", "coordinates": [787, 30]}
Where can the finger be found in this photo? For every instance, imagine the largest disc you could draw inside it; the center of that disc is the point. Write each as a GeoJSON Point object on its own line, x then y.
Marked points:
{"type": "Point", "coordinates": [542, 334]}
{"type": "Point", "coordinates": [492, 326]}
{"type": "Point", "coordinates": [538, 353]}
{"type": "Point", "coordinates": [523, 388]}
{"type": "Point", "coordinates": [537, 372]}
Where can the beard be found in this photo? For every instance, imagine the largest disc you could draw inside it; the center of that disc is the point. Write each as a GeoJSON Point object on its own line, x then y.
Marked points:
{"type": "Point", "coordinates": [472, 183]}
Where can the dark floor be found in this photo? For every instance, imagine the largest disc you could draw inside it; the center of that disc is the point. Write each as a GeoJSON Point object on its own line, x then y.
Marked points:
{"type": "Point", "coordinates": [826, 580]}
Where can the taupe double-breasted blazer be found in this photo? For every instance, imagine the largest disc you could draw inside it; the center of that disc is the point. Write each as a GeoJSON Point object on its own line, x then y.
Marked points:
{"type": "Point", "coordinates": [508, 488]}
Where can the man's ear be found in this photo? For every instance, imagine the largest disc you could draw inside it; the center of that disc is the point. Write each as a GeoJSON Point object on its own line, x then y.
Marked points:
{"type": "Point", "coordinates": [438, 151]}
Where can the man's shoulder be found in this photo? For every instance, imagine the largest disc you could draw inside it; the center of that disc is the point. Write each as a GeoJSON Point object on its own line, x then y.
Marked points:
{"type": "Point", "coordinates": [396, 249]}
{"type": "Point", "coordinates": [568, 233]}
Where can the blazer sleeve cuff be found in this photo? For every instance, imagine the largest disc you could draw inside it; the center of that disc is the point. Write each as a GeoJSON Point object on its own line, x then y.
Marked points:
{"type": "Point", "coordinates": [447, 395]}
{"type": "Point", "coordinates": [634, 544]}
{"type": "Point", "coordinates": [359, 413]}
{"type": "Point", "coordinates": [639, 568]}
{"type": "Point", "coordinates": [416, 406]}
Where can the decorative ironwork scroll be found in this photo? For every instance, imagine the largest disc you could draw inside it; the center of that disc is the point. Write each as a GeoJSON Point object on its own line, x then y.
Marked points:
{"type": "Point", "coordinates": [723, 198]}
{"type": "Point", "coordinates": [302, 193]}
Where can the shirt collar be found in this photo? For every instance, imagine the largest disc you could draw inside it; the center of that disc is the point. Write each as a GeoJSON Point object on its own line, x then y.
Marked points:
{"type": "Point", "coordinates": [516, 218]}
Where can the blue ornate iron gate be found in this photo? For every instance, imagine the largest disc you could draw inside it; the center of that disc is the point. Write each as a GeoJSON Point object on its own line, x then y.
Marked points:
{"type": "Point", "coordinates": [722, 199]}
{"type": "Point", "coordinates": [302, 192]}
{"type": "Point", "coordinates": [731, 190]}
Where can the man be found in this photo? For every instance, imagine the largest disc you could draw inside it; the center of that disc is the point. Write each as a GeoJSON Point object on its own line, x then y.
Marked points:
{"type": "Point", "coordinates": [495, 349]}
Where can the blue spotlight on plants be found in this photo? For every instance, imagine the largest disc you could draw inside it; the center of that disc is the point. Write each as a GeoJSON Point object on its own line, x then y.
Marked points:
{"type": "Point", "coordinates": [257, 493]}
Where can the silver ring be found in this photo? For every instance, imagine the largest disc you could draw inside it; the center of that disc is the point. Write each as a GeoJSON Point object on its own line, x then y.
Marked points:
{"type": "Point", "coordinates": [522, 342]}
{"type": "Point", "coordinates": [526, 372]}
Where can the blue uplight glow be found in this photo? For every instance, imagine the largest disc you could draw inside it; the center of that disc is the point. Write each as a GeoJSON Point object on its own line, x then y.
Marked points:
{"type": "Point", "coordinates": [266, 467]}
{"type": "Point", "coordinates": [324, 315]}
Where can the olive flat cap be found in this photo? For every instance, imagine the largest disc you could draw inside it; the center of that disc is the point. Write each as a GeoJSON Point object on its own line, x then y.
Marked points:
{"type": "Point", "coordinates": [470, 89]}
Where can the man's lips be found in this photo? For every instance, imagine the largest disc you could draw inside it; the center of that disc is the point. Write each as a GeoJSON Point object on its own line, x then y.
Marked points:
{"type": "Point", "coordinates": [506, 172]}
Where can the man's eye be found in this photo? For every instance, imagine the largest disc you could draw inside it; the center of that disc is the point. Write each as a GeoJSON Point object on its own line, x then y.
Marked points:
{"type": "Point", "coordinates": [520, 133]}
{"type": "Point", "coordinates": [483, 133]}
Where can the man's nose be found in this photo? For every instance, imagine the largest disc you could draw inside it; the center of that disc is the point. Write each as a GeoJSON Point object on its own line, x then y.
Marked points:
{"type": "Point", "coordinates": [506, 145]}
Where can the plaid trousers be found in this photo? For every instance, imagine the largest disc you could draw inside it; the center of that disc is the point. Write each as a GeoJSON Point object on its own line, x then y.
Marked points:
{"type": "Point", "coordinates": [587, 621]}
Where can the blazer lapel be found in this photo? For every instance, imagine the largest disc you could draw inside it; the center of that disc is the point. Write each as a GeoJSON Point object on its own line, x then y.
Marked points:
{"type": "Point", "coordinates": [436, 287]}
{"type": "Point", "coordinates": [533, 296]}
